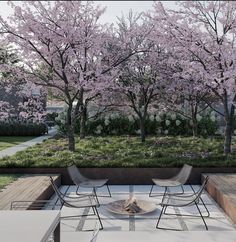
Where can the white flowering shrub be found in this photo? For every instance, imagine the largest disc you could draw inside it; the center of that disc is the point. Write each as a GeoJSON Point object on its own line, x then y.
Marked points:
{"type": "Point", "coordinates": [167, 122]}
{"type": "Point", "coordinates": [173, 116]}
{"type": "Point", "coordinates": [159, 124]}
{"type": "Point", "coordinates": [158, 118]}
{"type": "Point", "coordinates": [177, 122]}
{"type": "Point", "coordinates": [199, 117]}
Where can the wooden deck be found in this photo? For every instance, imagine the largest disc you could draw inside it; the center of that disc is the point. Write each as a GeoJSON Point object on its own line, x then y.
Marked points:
{"type": "Point", "coordinates": [30, 187]}
{"type": "Point", "coordinates": [222, 187]}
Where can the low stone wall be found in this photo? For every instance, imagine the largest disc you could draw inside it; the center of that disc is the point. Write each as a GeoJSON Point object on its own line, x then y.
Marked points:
{"type": "Point", "coordinates": [124, 176]}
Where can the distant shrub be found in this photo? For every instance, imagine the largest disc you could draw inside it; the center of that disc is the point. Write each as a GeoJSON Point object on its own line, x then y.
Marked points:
{"type": "Point", "coordinates": [22, 129]}
{"type": "Point", "coordinates": [161, 124]}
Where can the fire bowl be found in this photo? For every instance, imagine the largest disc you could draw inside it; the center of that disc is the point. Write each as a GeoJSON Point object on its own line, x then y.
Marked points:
{"type": "Point", "coordinates": [119, 207]}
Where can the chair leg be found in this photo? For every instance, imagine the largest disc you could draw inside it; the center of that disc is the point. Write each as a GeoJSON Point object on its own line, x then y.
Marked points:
{"type": "Point", "coordinates": [201, 216]}
{"type": "Point", "coordinates": [150, 193]}
{"type": "Point", "coordinates": [164, 194]}
{"type": "Point", "coordinates": [109, 192]}
{"type": "Point", "coordinates": [182, 188]}
{"type": "Point", "coordinates": [159, 218]}
{"type": "Point", "coordinates": [100, 221]}
{"type": "Point", "coordinates": [81, 195]}
{"type": "Point", "coordinates": [160, 194]}
{"type": "Point", "coordinates": [208, 213]}
{"type": "Point", "coordinates": [96, 197]}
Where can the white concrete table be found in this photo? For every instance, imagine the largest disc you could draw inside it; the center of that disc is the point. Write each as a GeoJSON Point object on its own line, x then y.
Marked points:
{"type": "Point", "coordinates": [29, 226]}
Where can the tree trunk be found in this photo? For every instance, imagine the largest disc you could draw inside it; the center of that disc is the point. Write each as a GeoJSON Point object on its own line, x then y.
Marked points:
{"type": "Point", "coordinates": [71, 138]}
{"type": "Point", "coordinates": [228, 137]}
{"type": "Point", "coordinates": [229, 110]}
{"type": "Point", "coordinates": [228, 131]}
{"type": "Point", "coordinates": [194, 126]}
{"type": "Point", "coordinates": [194, 109]}
{"type": "Point", "coordinates": [71, 129]}
{"type": "Point", "coordinates": [83, 115]}
{"type": "Point", "coordinates": [142, 129]}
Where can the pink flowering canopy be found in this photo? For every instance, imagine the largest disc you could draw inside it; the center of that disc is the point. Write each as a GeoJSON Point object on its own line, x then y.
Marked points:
{"type": "Point", "coordinates": [65, 48]}
{"type": "Point", "coordinates": [204, 34]}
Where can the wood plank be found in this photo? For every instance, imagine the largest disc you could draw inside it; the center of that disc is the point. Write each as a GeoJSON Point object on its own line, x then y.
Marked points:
{"type": "Point", "coordinates": [222, 188]}
{"type": "Point", "coordinates": [28, 187]}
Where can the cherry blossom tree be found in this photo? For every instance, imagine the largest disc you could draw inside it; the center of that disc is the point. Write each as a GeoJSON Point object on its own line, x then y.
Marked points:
{"type": "Point", "coordinates": [126, 38]}
{"type": "Point", "coordinates": [206, 31]}
{"type": "Point", "coordinates": [184, 92]}
{"type": "Point", "coordinates": [66, 50]}
{"type": "Point", "coordinates": [140, 80]}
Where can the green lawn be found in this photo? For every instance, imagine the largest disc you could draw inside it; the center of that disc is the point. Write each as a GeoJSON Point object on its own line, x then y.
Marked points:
{"type": "Point", "coordinates": [9, 141]}
{"type": "Point", "coordinates": [124, 151]}
{"type": "Point", "coordinates": [7, 179]}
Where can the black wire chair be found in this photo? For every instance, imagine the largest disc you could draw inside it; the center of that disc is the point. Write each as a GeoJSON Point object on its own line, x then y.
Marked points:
{"type": "Point", "coordinates": [184, 201]}
{"type": "Point", "coordinates": [81, 181]}
{"type": "Point", "coordinates": [177, 181]}
{"type": "Point", "coordinates": [77, 202]}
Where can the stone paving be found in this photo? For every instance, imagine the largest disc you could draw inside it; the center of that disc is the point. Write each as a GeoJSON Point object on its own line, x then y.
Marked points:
{"type": "Point", "coordinates": [218, 221]}
{"type": "Point", "coordinates": [22, 146]}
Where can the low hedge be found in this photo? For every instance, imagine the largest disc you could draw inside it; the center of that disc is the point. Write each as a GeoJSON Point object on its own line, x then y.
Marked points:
{"type": "Point", "coordinates": [22, 129]}
{"type": "Point", "coordinates": [164, 124]}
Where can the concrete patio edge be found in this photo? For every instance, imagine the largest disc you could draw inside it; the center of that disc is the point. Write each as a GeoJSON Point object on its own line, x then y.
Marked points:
{"type": "Point", "coordinates": [124, 176]}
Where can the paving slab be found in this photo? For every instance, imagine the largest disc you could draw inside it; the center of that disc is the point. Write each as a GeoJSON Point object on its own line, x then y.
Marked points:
{"type": "Point", "coordinates": [218, 220]}
{"type": "Point", "coordinates": [140, 236]}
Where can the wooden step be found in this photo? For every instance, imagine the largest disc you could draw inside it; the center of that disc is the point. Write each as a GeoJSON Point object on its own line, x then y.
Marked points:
{"type": "Point", "coordinates": [222, 188]}
{"type": "Point", "coordinates": [30, 187]}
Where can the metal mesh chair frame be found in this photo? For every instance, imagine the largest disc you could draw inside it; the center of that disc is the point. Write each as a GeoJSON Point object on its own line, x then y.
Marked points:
{"type": "Point", "coordinates": [181, 178]}
{"type": "Point", "coordinates": [81, 181]}
{"type": "Point", "coordinates": [67, 203]}
{"type": "Point", "coordinates": [194, 201]}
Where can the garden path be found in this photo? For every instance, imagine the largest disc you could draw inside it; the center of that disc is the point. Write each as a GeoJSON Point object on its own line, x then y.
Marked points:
{"type": "Point", "coordinates": [30, 187]}
{"type": "Point", "coordinates": [22, 146]}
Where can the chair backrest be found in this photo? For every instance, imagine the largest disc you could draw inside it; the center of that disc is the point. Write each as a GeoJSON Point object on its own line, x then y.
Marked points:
{"type": "Point", "coordinates": [184, 174]}
{"type": "Point", "coordinates": [75, 175]}
{"type": "Point", "coordinates": [200, 191]}
{"type": "Point", "coordinates": [58, 193]}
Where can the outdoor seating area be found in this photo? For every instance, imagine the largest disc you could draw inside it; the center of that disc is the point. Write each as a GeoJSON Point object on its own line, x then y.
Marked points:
{"type": "Point", "coordinates": [89, 215]}
{"type": "Point", "coordinates": [114, 222]}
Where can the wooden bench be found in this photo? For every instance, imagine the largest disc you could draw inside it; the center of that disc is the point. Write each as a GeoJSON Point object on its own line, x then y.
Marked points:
{"type": "Point", "coordinates": [30, 187]}
{"type": "Point", "coordinates": [222, 188]}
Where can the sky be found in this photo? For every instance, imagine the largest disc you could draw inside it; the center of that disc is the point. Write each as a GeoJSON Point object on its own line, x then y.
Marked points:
{"type": "Point", "coordinates": [114, 8]}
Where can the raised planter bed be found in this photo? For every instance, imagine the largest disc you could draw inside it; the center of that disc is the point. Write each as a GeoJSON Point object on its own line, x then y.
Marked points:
{"type": "Point", "coordinates": [222, 188]}
{"type": "Point", "coordinates": [123, 176]}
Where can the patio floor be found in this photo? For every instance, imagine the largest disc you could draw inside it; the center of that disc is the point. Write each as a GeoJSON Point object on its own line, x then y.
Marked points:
{"type": "Point", "coordinates": [218, 220]}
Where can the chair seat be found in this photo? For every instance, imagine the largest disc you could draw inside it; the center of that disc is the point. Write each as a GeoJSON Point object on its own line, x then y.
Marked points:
{"type": "Point", "coordinates": [86, 201]}
{"type": "Point", "coordinates": [178, 201]}
{"type": "Point", "coordinates": [93, 183]}
{"type": "Point", "coordinates": [166, 182]}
